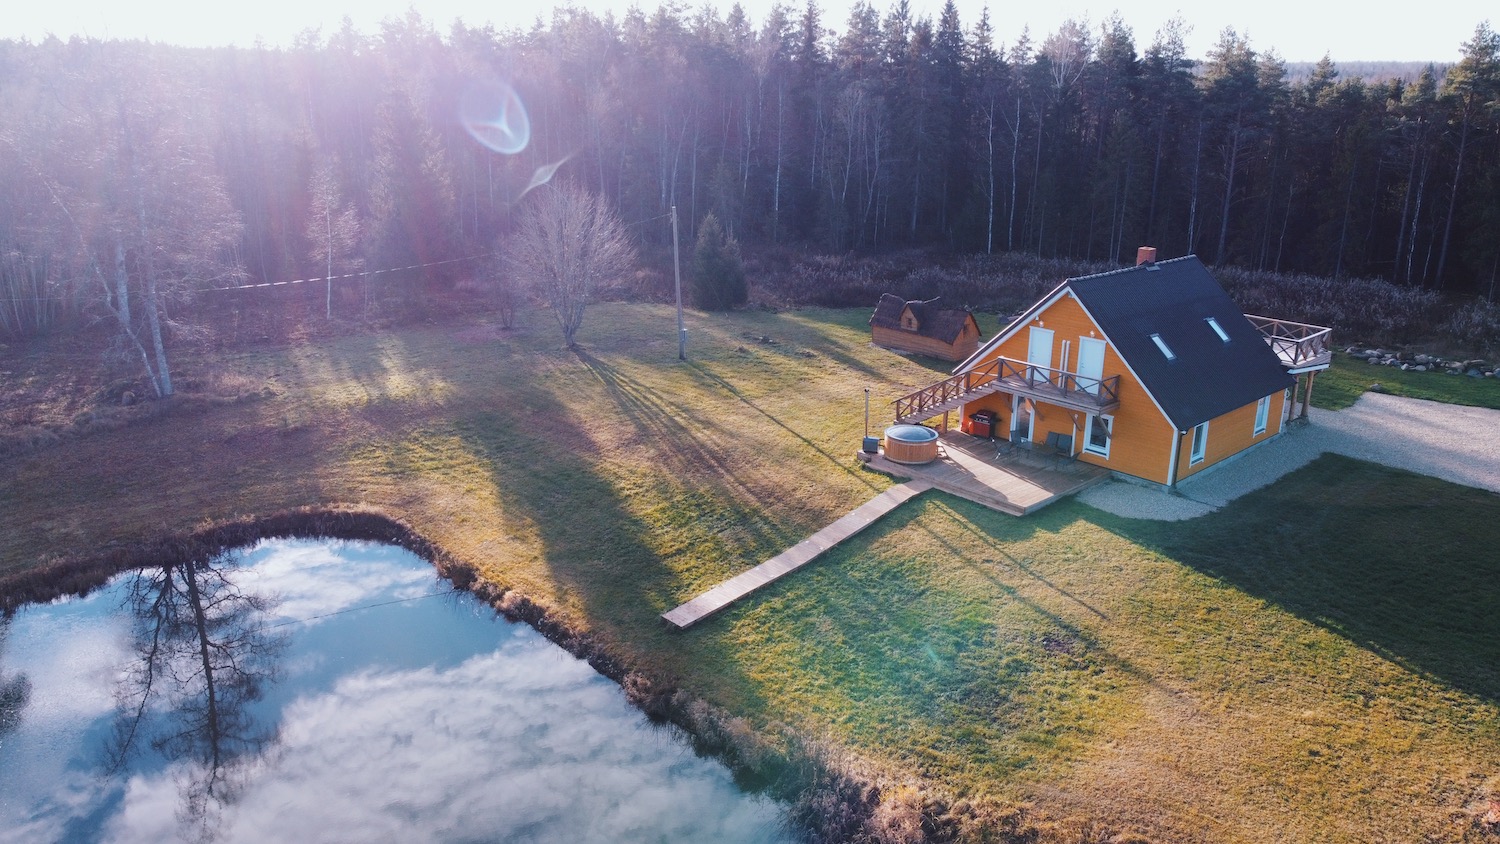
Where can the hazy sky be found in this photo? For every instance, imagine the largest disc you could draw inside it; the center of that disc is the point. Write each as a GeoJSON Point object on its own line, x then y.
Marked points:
{"type": "Point", "coordinates": [1300, 30]}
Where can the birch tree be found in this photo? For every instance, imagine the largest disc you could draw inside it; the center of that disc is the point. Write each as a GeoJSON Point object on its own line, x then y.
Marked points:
{"type": "Point", "coordinates": [165, 229]}
{"type": "Point", "coordinates": [333, 228]}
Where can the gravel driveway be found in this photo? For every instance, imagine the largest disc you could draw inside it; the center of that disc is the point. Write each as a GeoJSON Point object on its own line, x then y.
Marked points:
{"type": "Point", "coordinates": [1452, 442]}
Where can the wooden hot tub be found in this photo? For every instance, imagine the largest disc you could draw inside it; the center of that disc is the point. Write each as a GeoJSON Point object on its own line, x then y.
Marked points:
{"type": "Point", "coordinates": [912, 444]}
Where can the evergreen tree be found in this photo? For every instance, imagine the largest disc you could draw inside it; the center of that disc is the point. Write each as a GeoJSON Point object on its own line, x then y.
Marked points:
{"type": "Point", "coordinates": [1472, 90]}
{"type": "Point", "coordinates": [718, 271]}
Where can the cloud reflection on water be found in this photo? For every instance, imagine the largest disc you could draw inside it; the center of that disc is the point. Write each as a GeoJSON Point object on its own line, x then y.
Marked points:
{"type": "Point", "coordinates": [476, 751]}
{"type": "Point", "coordinates": [425, 720]}
{"type": "Point", "coordinates": [312, 581]}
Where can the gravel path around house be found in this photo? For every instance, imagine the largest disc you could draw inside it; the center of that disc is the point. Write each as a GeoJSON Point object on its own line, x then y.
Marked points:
{"type": "Point", "coordinates": [1452, 442]}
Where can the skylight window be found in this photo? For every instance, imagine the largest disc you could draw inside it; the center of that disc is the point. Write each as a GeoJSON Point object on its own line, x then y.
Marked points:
{"type": "Point", "coordinates": [1218, 329]}
{"type": "Point", "coordinates": [1162, 344]}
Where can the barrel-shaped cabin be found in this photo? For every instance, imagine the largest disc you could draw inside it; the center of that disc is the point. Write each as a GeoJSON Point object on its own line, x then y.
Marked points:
{"type": "Point", "coordinates": [924, 328]}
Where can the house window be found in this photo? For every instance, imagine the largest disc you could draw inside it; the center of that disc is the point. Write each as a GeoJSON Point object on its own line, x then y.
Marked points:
{"type": "Point", "coordinates": [1096, 438]}
{"type": "Point", "coordinates": [1200, 443]}
{"type": "Point", "coordinates": [1218, 329]}
{"type": "Point", "coordinates": [1262, 413]}
{"type": "Point", "coordinates": [1162, 344]}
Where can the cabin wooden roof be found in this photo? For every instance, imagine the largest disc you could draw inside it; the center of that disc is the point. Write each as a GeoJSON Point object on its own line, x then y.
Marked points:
{"type": "Point", "coordinates": [944, 324]}
{"type": "Point", "coordinates": [1174, 300]}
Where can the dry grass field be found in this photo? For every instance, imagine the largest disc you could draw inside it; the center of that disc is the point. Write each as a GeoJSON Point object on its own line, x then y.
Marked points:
{"type": "Point", "coordinates": [1316, 662]}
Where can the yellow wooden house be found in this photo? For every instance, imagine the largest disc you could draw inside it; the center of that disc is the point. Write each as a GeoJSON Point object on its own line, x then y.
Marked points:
{"type": "Point", "coordinates": [1150, 371]}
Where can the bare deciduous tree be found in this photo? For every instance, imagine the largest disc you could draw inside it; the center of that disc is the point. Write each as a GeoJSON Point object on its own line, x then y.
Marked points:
{"type": "Point", "coordinates": [568, 246]}
{"type": "Point", "coordinates": [333, 228]}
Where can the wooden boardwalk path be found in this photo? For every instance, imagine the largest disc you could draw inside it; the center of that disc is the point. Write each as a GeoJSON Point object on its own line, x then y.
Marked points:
{"type": "Point", "coordinates": [795, 557]}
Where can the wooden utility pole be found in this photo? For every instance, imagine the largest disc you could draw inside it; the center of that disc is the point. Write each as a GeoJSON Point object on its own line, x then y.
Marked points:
{"type": "Point", "coordinates": [328, 301]}
{"type": "Point", "coordinates": [677, 272]}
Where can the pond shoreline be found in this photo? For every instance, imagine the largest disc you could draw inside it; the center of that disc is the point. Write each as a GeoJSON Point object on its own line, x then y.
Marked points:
{"type": "Point", "coordinates": [830, 799]}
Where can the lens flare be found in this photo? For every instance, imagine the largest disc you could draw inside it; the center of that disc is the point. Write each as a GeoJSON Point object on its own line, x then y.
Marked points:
{"type": "Point", "coordinates": [543, 175]}
{"type": "Point", "coordinates": [493, 114]}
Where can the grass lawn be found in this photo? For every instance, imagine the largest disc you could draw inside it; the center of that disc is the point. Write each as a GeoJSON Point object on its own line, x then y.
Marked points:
{"type": "Point", "coordinates": [1344, 382]}
{"type": "Point", "coordinates": [1317, 662]}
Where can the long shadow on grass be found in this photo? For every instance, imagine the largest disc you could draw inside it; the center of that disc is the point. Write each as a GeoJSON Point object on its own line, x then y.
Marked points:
{"type": "Point", "coordinates": [671, 431]}
{"type": "Point", "coordinates": [1402, 564]}
{"type": "Point", "coordinates": [827, 345]}
{"type": "Point", "coordinates": [919, 648]}
{"type": "Point", "coordinates": [547, 477]}
{"type": "Point", "coordinates": [990, 568]}
{"type": "Point", "coordinates": [596, 548]}
{"type": "Point", "coordinates": [842, 465]}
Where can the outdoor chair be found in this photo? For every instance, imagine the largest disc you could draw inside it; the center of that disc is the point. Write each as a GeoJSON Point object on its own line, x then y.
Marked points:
{"type": "Point", "coordinates": [1061, 446]}
{"type": "Point", "coordinates": [1008, 447]}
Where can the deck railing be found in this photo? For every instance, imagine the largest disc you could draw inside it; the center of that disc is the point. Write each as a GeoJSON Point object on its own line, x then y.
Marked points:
{"type": "Point", "coordinates": [1296, 343]}
{"type": "Point", "coordinates": [1017, 377]}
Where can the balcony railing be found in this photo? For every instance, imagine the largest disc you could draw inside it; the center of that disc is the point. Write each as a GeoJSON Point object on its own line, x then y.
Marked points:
{"type": "Point", "coordinates": [1018, 378]}
{"type": "Point", "coordinates": [1299, 345]}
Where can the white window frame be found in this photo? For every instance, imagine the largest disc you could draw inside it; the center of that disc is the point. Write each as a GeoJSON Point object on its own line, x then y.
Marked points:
{"type": "Point", "coordinates": [1165, 349]}
{"type": "Point", "coordinates": [1218, 329]}
{"type": "Point", "coordinates": [1200, 444]}
{"type": "Point", "coordinates": [1262, 415]}
{"type": "Point", "coordinates": [1088, 432]}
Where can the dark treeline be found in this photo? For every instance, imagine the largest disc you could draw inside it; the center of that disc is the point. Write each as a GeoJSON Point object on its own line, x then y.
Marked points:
{"type": "Point", "coordinates": [134, 172]}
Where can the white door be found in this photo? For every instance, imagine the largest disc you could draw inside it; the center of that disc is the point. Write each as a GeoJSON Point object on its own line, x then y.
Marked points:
{"type": "Point", "coordinates": [1090, 364]}
{"type": "Point", "coordinates": [1039, 352]}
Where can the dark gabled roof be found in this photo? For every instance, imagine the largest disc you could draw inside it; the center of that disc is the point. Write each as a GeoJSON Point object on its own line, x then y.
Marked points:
{"type": "Point", "coordinates": [938, 323]}
{"type": "Point", "coordinates": [1174, 300]}
{"type": "Point", "coordinates": [888, 311]}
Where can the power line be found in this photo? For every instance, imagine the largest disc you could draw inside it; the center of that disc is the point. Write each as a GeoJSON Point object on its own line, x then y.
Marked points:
{"type": "Point", "coordinates": [257, 285]}
{"type": "Point", "coordinates": [291, 621]}
{"type": "Point", "coordinates": [649, 220]}
{"type": "Point", "coordinates": [13, 299]}
{"type": "Point", "coordinates": [345, 275]}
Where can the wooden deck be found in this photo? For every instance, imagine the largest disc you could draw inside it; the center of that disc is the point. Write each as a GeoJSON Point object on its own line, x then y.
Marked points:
{"type": "Point", "coordinates": [795, 557]}
{"type": "Point", "coordinates": [1017, 484]}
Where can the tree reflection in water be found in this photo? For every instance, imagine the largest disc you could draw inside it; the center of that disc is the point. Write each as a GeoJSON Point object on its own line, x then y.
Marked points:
{"type": "Point", "coordinates": [14, 691]}
{"type": "Point", "coordinates": [202, 655]}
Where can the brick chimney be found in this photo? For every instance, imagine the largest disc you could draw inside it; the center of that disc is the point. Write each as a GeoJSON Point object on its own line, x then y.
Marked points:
{"type": "Point", "coordinates": [1145, 255]}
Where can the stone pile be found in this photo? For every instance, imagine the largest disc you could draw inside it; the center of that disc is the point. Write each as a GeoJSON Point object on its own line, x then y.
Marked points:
{"type": "Point", "coordinates": [1416, 362]}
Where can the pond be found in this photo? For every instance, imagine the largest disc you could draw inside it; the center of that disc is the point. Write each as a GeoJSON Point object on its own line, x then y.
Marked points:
{"type": "Point", "coordinates": [330, 691]}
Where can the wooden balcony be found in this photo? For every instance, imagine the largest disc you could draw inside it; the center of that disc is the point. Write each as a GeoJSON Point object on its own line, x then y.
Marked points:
{"type": "Point", "coordinates": [1301, 347]}
{"type": "Point", "coordinates": [1003, 375]}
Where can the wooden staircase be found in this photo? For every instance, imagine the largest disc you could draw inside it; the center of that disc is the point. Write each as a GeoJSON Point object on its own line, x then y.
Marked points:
{"type": "Point", "coordinates": [1055, 386]}
{"type": "Point", "coordinates": [952, 401]}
